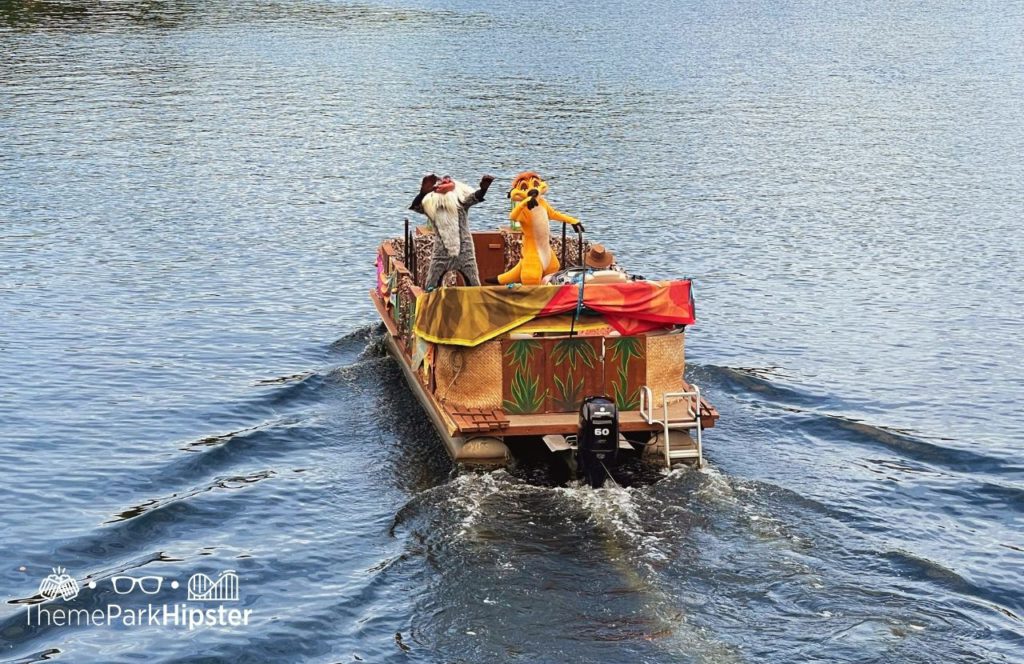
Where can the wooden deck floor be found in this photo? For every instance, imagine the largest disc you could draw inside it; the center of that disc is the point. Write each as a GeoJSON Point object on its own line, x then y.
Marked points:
{"type": "Point", "coordinates": [629, 421]}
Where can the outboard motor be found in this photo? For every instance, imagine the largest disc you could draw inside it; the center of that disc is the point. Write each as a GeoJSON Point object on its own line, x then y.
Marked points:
{"type": "Point", "coordinates": [597, 443]}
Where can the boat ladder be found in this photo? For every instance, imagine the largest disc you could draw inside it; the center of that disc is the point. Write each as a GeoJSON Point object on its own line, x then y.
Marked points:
{"type": "Point", "coordinates": [691, 420]}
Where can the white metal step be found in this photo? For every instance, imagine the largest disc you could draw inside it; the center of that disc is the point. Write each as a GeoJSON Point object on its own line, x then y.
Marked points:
{"type": "Point", "coordinates": [559, 443]}
{"type": "Point", "coordinates": [647, 412]}
{"type": "Point", "coordinates": [556, 442]}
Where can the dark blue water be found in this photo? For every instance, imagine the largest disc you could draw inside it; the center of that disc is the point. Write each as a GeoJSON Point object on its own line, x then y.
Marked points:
{"type": "Point", "coordinates": [191, 380]}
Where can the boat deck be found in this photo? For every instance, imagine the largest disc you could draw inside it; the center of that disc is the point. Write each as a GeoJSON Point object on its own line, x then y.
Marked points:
{"type": "Point", "coordinates": [542, 424]}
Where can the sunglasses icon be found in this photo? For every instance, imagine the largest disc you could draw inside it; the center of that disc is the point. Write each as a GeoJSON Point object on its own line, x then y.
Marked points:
{"type": "Point", "coordinates": [150, 585]}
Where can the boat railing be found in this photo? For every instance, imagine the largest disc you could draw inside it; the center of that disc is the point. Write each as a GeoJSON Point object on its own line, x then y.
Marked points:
{"type": "Point", "coordinates": [693, 405]}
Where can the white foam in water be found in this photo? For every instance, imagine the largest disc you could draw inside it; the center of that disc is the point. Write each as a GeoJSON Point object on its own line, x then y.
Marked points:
{"type": "Point", "coordinates": [721, 491]}
{"type": "Point", "coordinates": [716, 487]}
{"type": "Point", "coordinates": [470, 492]}
{"type": "Point", "coordinates": [618, 514]}
{"type": "Point", "coordinates": [353, 373]}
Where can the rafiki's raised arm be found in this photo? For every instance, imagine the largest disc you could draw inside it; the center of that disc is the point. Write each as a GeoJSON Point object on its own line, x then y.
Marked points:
{"type": "Point", "coordinates": [478, 195]}
{"type": "Point", "coordinates": [426, 186]}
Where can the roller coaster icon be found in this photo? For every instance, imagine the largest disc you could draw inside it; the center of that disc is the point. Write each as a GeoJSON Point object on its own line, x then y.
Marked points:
{"type": "Point", "coordinates": [202, 588]}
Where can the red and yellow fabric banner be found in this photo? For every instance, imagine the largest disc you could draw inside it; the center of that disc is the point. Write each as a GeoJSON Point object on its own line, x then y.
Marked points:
{"type": "Point", "coordinates": [469, 316]}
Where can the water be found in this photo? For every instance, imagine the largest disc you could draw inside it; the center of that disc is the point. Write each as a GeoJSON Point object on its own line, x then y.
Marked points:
{"type": "Point", "coordinates": [190, 198]}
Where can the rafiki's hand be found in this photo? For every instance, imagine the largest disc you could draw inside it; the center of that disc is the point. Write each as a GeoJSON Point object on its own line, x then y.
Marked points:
{"type": "Point", "coordinates": [485, 182]}
{"type": "Point", "coordinates": [427, 185]}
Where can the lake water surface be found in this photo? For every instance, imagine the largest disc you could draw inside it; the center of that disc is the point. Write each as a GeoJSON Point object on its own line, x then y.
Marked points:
{"type": "Point", "coordinates": [191, 194]}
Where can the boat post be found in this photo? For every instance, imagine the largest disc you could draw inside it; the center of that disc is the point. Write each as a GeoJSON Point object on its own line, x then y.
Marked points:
{"type": "Point", "coordinates": [579, 236]}
{"type": "Point", "coordinates": [564, 224]}
{"type": "Point", "coordinates": [405, 257]}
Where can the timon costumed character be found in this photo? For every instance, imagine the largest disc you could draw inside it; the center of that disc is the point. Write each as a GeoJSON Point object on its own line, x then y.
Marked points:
{"type": "Point", "coordinates": [534, 214]}
{"type": "Point", "coordinates": [446, 203]}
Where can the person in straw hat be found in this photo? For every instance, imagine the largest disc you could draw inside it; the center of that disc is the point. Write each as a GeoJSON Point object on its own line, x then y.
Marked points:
{"type": "Point", "coordinates": [598, 257]}
{"type": "Point", "coordinates": [599, 267]}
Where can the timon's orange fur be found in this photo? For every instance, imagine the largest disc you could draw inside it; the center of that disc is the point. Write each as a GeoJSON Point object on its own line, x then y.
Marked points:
{"type": "Point", "coordinates": [535, 215]}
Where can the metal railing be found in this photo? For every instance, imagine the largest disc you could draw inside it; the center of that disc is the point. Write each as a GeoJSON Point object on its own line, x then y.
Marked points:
{"type": "Point", "coordinates": [693, 404]}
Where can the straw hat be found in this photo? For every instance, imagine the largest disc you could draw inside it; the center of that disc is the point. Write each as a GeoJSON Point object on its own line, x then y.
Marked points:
{"type": "Point", "coordinates": [598, 257]}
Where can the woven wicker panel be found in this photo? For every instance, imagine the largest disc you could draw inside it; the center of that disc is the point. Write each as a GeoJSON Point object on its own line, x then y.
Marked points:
{"type": "Point", "coordinates": [513, 252]}
{"type": "Point", "coordinates": [514, 249]}
{"type": "Point", "coordinates": [406, 310]}
{"type": "Point", "coordinates": [572, 249]}
{"type": "Point", "coordinates": [665, 365]}
{"type": "Point", "coordinates": [424, 250]}
{"type": "Point", "coordinates": [398, 246]}
{"type": "Point", "coordinates": [468, 377]}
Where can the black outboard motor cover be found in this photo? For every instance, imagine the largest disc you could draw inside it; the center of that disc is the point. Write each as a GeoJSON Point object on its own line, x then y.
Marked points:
{"type": "Point", "coordinates": [598, 438]}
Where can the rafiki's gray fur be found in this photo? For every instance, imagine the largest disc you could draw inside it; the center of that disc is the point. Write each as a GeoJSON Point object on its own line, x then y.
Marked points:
{"type": "Point", "coordinates": [453, 249]}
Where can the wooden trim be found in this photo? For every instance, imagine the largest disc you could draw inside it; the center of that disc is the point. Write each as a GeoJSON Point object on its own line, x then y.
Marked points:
{"type": "Point", "coordinates": [475, 420]}
{"type": "Point", "coordinates": [566, 423]}
{"type": "Point", "coordinates": [385, 315]}
{"type": "Point", "coordinates": [401, 269]}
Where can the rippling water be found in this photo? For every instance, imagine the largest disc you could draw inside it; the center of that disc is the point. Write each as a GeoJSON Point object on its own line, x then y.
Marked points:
{"type": "Point", "coordinates": [190, 197]}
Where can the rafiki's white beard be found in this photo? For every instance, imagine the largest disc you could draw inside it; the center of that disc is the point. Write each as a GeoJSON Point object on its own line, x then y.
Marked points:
{"type": "Point", "coordinates": [443, 212]}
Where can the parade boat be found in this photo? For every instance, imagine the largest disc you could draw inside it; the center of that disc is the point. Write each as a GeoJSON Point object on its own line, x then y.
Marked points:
{"type": "Point", "coordinates": [591, 368]}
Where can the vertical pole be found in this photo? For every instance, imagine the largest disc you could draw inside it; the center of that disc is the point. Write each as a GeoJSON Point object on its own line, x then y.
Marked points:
{"type": "Point", "coordinates": [415, 269]}
{"type": "Point", "coordinates": [405, 254]}
{"type": "Point", "coordinates": [563, 246]}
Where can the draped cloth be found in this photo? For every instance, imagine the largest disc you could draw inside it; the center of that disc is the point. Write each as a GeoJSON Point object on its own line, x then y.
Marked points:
{"type": "Point", "coordinates": [468, 316]}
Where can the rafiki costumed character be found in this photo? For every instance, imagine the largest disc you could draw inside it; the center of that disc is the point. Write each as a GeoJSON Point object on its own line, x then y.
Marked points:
{"type": "Point", "coordinates": [446, 204]}
{"type": "Point", "coordinates": [534, 214]}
